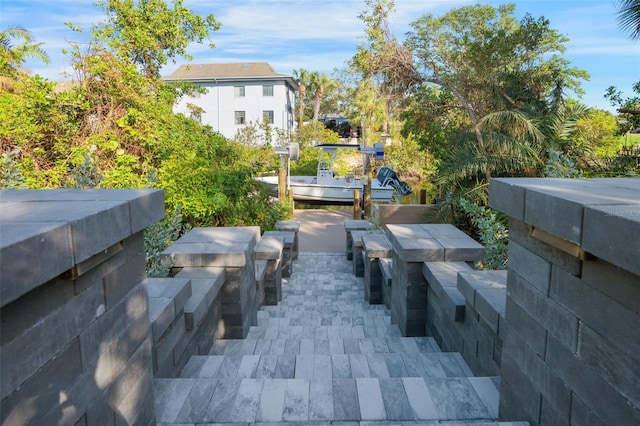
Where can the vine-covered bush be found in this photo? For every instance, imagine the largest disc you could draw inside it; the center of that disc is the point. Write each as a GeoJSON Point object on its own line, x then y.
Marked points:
{"type": "Point", "coordinates": [492, 232]}
{"type": "Point", "coordinates": [158, 237]}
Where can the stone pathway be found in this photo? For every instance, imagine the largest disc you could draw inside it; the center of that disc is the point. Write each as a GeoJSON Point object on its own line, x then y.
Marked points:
{"type": "Point", "coordinates": [325, 356]}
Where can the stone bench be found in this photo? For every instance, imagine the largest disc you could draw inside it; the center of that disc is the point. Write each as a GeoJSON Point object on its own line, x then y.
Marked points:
{"type": "Point", "coordinates": [290, 226]}
{"type": "Point", "coordinates": [386, 266]}
{"type": "Point", "coordinates": [357, 247]}
{"type": "Point", "coordinates": [167, 298]}
{"type": "Point", "coordinates": [269, 252]}
{"type": "Point", "coordinates": [205, 283]}
{"type": "Point", "coordinates": [289, 239]}
{"type": "Point", "coordinates": [376, 249]}
{"type": "Point", "coordinates": [442, 278]}
{"type": "Point", "coordinates": [349, 227]}
{"type": "Point", "coordinates": [485, 293]}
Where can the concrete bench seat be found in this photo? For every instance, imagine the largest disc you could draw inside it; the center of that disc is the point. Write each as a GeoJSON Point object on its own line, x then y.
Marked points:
{"type": "Point", "coordinates": [385, 269]}
{"type": "Point", "coordinates": [349, 227]}
{"type": "Point", "coordinates": [269, 253]}
{"type": "Point", "coordinates": [486, 293]}
{"type": "Point", "coordinates": [206, 283]}
{"type": "Point", "coordinates": [443, 284]}
{"type": "Point", "coordinates": [290, 226]}
{"type": "Point", "coordinates": [289, 239]}
{"type": "Point", "coordinates": [375, 247]}
{"type": "Point", "coordinates": [445, 303]}
{"type": "Point", "coordinates": [167, 299]}
{"type": "Point", "coordinates": [357, 247]}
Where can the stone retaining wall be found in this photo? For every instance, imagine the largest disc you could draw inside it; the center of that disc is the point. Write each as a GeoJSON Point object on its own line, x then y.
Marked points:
{"type": "Point", "coordinates": [570, 352]}
{"type": "Point", "coordinates": [76, 341]}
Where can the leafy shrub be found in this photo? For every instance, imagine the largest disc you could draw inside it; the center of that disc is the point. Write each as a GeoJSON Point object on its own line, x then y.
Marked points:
{"type": "Point", "coordinates": [492, 232]}
{"type": "Point", "coordinates": [10, 174]}
{"type": "Point", "coordinates": [560, 166]}
{"type": "Point", "coordinates": [158, 237]}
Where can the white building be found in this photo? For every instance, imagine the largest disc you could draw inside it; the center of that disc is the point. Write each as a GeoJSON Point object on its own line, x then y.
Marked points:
{"type": "Point", "coordinates": [239, 94]}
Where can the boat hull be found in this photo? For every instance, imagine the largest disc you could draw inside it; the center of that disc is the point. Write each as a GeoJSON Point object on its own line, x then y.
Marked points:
{"type": "Point", "coordinates": [339, 193]}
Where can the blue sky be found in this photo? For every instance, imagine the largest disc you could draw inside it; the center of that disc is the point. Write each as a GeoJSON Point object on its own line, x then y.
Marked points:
{"type": "Point", "coordinates": [321, 35]}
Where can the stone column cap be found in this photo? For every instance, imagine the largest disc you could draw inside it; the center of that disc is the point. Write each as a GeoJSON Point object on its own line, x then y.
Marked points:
{"type": "Point", "coordinates": [600, 216]}
{"type": "Point", "coordinates": [44, 233]}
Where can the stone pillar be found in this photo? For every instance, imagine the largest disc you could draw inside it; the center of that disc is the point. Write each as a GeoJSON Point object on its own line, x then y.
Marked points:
{"type": "Point", "coordinates": [76, 340]}
{"type": "Point", "coordinates": [354, 225]}
{"type": "Point", "coordinates": [290, 226]}
{"type": "Point", "coordinates": [289, 238]}
{"type": "Point", "coordinates": [357, 248]}
{"type": "Point", "coordinates": [412, 246]}
{"type": "Point", "coordinates": [376, 246]}
{"type": "Point", "coordinates": [231, 248]}
{"type": "Point", "coordinates": [571, 340]}
{"type": "Point", "coordinates": [270, 249]}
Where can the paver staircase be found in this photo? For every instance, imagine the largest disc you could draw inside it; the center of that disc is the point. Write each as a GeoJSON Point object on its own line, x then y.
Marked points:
{"type": "Point", "coordinates": [324, 355]}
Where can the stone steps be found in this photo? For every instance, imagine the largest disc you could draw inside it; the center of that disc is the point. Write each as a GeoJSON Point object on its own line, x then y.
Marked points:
{"type": "Point", "coordinates": [324, 355]}
{"type": "Point", "coordinates": [340, 366]}
{"type": "Point", "coordinates": [354, 343]}
{"type": "Point", "coordinates": [249, 400]}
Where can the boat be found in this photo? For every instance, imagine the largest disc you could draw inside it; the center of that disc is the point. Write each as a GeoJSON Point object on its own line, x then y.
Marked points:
{"type": "Point", "coordinates": [328, 188]}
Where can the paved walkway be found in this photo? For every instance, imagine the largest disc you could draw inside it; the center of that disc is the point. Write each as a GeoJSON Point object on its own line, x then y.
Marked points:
{"type": "Point", "coordinates": [325, 356]}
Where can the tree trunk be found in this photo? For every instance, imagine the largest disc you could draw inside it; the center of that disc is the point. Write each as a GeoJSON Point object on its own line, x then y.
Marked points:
{"type": "Point", "coordinates": [301, 93]}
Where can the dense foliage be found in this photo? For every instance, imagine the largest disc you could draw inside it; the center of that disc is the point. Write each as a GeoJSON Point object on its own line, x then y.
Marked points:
{"type": "Point", "coordinates": [469, 95]}
{"type": "Point", "coordinates": [113, 125]}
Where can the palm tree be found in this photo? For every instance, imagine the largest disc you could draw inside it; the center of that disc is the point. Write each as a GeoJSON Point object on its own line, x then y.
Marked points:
{"type": "Point", "coordinates": [322, 84]}
{"type": "Point", "coordinates": [16, 54]}
{"type": "Point", "coordinates": [302, 76]}
{"type": "Point", "coordinates": [629, 17]}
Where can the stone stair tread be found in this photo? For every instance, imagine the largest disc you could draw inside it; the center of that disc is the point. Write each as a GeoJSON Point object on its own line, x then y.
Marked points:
{"type": "Point", "coordinates": [317, 366]}
{"type": "Point", "coordinates": [315, 344]}
{"type": "Point", "coordinates": [324, 400]}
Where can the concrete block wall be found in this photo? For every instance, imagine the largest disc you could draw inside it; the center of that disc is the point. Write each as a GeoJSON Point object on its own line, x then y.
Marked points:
{"type": "Point", "coordinates": [413, 245]}
{"type": "Point", "coordinates": [446, 306]}
{"type": "Point", "coordinates": [75, 346]}
{"type": "Point", "coordinates": [570, 348]}
{"type": "Point", "coordinates": [231, 251]}
{"type": "Point", "coordinates": [485, 294]}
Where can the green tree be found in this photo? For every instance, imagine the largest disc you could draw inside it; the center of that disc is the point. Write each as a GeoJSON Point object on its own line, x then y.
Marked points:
{"type": "Point", "coordinates": [383, 63]}
{"type": "Point", "coordinates": [149, 32]}
{"type": "Point", "coordinates": [303, 78]}
{"type": "Point", "coordinates": [15, 54]}
{"type": "Point", "coordinates": [629, 17]}
{"type": "Point", "coordinates": [321, 84]}
{"type": "Point", "coordinates": [16, 46]}
{"type": "Point", "coordinates": [491, 62]}
{"type": "Point", "coordinates": [629, 108]}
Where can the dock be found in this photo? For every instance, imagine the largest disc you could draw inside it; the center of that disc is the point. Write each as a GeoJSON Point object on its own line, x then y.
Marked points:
{"type": "Point", "coordinates": [322, 231]}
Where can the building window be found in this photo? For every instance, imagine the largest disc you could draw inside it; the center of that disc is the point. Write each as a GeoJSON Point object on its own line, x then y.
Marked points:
{"type": "Point", "coordinates": [267, 117]}
{"type": "Point", "coordinates": [239, 117]}
{"type": "Point", "coordinates": [238, 91]}
{"type": "Point", "coordinates": [267, 90]}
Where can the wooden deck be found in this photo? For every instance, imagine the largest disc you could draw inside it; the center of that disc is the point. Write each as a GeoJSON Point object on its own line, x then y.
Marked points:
{"type": "Point", "coordinates": [322, 231]}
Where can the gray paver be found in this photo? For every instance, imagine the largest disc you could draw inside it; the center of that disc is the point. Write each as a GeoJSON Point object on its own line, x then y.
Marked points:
{"type": "Point", "coordinates": [324, 355]}
{"type": "Point", "coordinates": [296, 400]}
{"type": "Point", "coordinates": [370, 400]}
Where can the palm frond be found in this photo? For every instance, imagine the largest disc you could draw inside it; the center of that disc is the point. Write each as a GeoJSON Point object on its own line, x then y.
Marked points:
{"type": "Point", "coordinates": [629, 17]}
